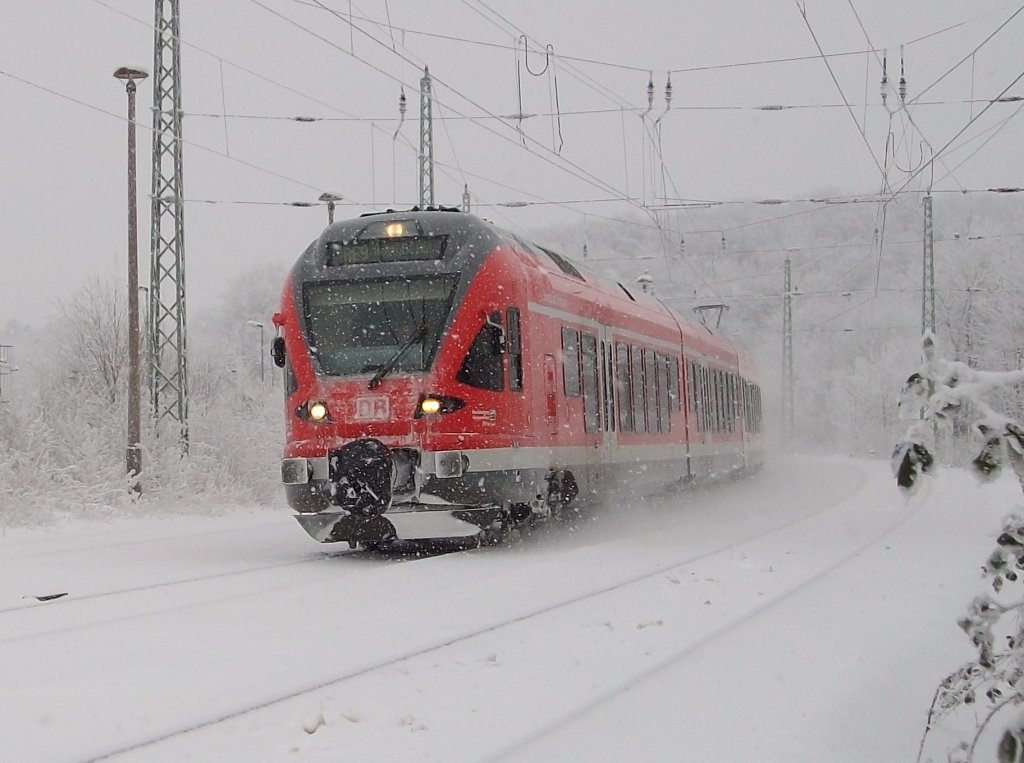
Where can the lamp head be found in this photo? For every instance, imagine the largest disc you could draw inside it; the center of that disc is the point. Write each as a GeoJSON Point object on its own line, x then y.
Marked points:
{"type": "Point", "coordinates": [131, 73]}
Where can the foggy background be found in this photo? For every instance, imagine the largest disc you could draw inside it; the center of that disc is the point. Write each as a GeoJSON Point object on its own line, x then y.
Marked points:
{"type": "Point", "coordinates": [769, 150]}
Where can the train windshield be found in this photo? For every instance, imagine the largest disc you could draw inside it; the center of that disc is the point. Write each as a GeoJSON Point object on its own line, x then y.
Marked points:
{"type": "Point", "coordinates": [359, 327]}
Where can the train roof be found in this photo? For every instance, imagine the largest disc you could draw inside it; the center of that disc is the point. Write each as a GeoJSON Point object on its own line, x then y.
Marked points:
{"type": "Point", "coordinates": [564, 274]}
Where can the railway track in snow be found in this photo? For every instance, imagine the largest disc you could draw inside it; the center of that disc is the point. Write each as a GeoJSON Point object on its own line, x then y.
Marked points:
{"type": "Point", "coordinates": [45, 606]}
{"type": "Point", "coordinates": [546, 609]}
{"type": "Point", "coordinates": [690, 649]}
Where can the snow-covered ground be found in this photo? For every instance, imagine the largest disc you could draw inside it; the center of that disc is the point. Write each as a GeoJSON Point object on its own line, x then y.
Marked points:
{"type": "Point", "coordinates": [803, 615]}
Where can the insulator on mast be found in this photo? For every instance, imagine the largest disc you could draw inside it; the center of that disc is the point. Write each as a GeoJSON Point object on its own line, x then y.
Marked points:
{"type": "Point", "coordinates": [668, 92]}
{"type": "Point", "coordinates": [903, 80]}
{"type": "Point", "coordinates": [401, 113]}
{"type": "Point", "coordinates": [650, 94]}
{"type": "Point", "coordinates": [884, 86]}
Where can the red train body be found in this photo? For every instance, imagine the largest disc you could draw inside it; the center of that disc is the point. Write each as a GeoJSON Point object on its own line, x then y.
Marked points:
{"type": "Point", "coordinates": [446, 378]}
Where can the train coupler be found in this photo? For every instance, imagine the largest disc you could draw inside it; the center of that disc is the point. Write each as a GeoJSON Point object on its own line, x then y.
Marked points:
{"type": "Point", "coordinates": [361, 474]}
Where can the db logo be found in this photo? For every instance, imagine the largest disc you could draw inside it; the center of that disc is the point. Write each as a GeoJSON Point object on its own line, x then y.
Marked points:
{"type": "Point", "coordinates": [372, 408]}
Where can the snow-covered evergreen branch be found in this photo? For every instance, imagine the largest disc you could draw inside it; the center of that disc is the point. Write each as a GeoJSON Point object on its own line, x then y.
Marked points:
{"type": "Point", "coordinates": [934, 392]}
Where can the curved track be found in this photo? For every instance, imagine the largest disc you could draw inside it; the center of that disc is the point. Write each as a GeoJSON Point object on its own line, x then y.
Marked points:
{"type": "Point", "coordinates": [546, 590]}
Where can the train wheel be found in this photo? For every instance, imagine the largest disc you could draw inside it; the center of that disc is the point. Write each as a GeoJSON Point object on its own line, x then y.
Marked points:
{"type": "Point", "coordinates": [562, 489]}
{"type": "Point", "coordinates": [516, 521]}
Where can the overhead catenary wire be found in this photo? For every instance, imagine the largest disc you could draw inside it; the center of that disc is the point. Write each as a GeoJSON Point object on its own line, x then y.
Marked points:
{"type": "Point", "coordinates": [960, 132]}
{"type": "Point", "coordinates": [646, 67]}
{"type": "Point", "coordinates": [193, 144]}
{"type": "Point", "coordinates": [240, 67]}
{"type": "Point", "coordinates": [250, 164]}
{"type": "Point", "coordinates": [330, 105]}
{"type": "Point", "coordinates": [564, 164]}
{"type": "Point", "coordinates": [980, 45]}
{"type": "Point", "coordinates": [810, 29]}
{"type": "Point", "coordinates": [592, 179]}
{"type": "Point", "coordinates": [276, 83]}
{"type": "Point", "coordinates": [580, 112]}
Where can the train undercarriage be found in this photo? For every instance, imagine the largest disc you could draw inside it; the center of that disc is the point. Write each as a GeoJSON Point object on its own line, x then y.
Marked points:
{"type": "Point", "coordinates": [367, 494]}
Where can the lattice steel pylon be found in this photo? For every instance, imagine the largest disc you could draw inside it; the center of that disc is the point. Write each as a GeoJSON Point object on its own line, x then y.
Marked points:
{"type": "Point", "coordinates": [928, 271]}
{"type": "Point", "coordinates": [168, 377]}
{"type": "Point", "coordinates": [787, 356]}
{"type": "Point", "coordinates": [426, 183]}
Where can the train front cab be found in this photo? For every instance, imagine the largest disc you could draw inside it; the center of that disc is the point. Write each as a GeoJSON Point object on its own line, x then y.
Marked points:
{"type": "Point", "coordinates": [453, 434]}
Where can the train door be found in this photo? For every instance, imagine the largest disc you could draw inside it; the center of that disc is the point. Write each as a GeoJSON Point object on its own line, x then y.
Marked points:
{"type": "Point", "coordinates": [740, 394]}
{"type": "Point", "coordinates": [684, 393]}
{"type": "Point", "coordinates": [607, 445]}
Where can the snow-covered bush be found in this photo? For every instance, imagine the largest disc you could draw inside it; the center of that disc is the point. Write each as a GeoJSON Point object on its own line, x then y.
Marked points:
{"type": "Point", "coordinates": [994, 682]}
{"type": "Point", "coordinates": [63, 440]}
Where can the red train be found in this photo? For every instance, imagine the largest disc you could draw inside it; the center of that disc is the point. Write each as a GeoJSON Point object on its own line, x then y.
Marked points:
{"type": "Point", "coordinates": [446, 378]}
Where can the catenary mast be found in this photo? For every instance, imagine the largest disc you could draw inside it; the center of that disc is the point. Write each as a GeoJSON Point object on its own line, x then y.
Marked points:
{"type": "Point", "coordinates": [168, 378]}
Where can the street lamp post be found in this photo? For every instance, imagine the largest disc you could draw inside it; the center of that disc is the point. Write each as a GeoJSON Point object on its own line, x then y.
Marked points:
{"type": "Point", "coordinates": [133, 454]}
{"type": "Point", "coordinates": [263, 361]}
{"type": "Point", "coordinates": [5, 370]}
{"type": "Point", "coordinates": [330, 198]}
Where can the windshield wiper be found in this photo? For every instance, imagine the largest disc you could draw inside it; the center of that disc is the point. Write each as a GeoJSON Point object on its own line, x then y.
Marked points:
{"type": "Point", "coordinates": [385, 369]}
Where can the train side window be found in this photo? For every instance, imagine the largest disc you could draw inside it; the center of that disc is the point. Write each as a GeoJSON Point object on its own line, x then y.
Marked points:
{"type": "Point", "coordinates": [571, 361]}
{"type": "Point", "coordinates": [724, 380]}
{"type": "Point", "coordinates": [609, 371]}
{"type": "Point", "coordinates": [758, 420]}
{"type": "Point", "coordinates": [605, 397]}
{"type": "Point", "coordinates": [482, 367]}
{"type": "Point", "coordinates": [716, 402]}
{"type": "Point", "coordinates": [675, 399]}
{"type": "Point", "coordinates": [664, 393]}
{"type": "Point", "coordinates": [704, 412]}
{"type": "Point", "coordinates": [691, 386]}
{"type": "Point", "coordinates": [515, 351]}
{"type": "Point", "coordinates": [737, 401]}
{"type": "Point", "coordinates": [729, 402]}
{"type": "Point", "coordinates": [623, 385]}
{"type": "Point", "coordinates": [734, 403]}
{"type": "Point", "coordinates": [637, 366]}
{"type": "Point", "coordinates": [749, 403]}
{"type": "Point", "coordinates": [698, 394]}
{"type": "Point", "coordinates": [591, 404]}
{"type": "Point", "coordinates": [723, 418]}
{"type": "Point", "coordinates": [706, 399]}
{"type": "Point", "coordinates": [651, 390]}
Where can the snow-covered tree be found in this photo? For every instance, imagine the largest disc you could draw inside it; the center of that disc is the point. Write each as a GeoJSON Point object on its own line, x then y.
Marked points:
{"type": "Point", "coordinates": [993, 683]}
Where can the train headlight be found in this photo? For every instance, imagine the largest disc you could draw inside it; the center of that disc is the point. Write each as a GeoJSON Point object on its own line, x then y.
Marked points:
{"type": "Point", "coordinates": [314, 410]}
{"type": "Point", "coordinates": [432, 405]}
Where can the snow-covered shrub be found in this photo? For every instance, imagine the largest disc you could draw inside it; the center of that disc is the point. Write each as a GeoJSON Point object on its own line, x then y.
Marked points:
{"type": "Point", "coordinates": [63, 442]}
{"type": "Point", "coordinates": [993, 683]}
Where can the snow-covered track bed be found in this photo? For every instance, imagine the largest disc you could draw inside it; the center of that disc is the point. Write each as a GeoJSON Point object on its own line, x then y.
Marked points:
{"type": "Point", "coordinates": [458, 659]}
{"type": "Point", "coordinates": [98, 584]}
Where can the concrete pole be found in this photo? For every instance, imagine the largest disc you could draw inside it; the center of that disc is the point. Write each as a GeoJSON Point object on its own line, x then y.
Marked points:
{"type": "Point", "coordinates": [133, 452]}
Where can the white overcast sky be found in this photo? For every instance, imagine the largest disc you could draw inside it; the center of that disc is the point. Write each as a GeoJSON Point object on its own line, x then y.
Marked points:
{"type": "Point", "coordinates": [63, 131]}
